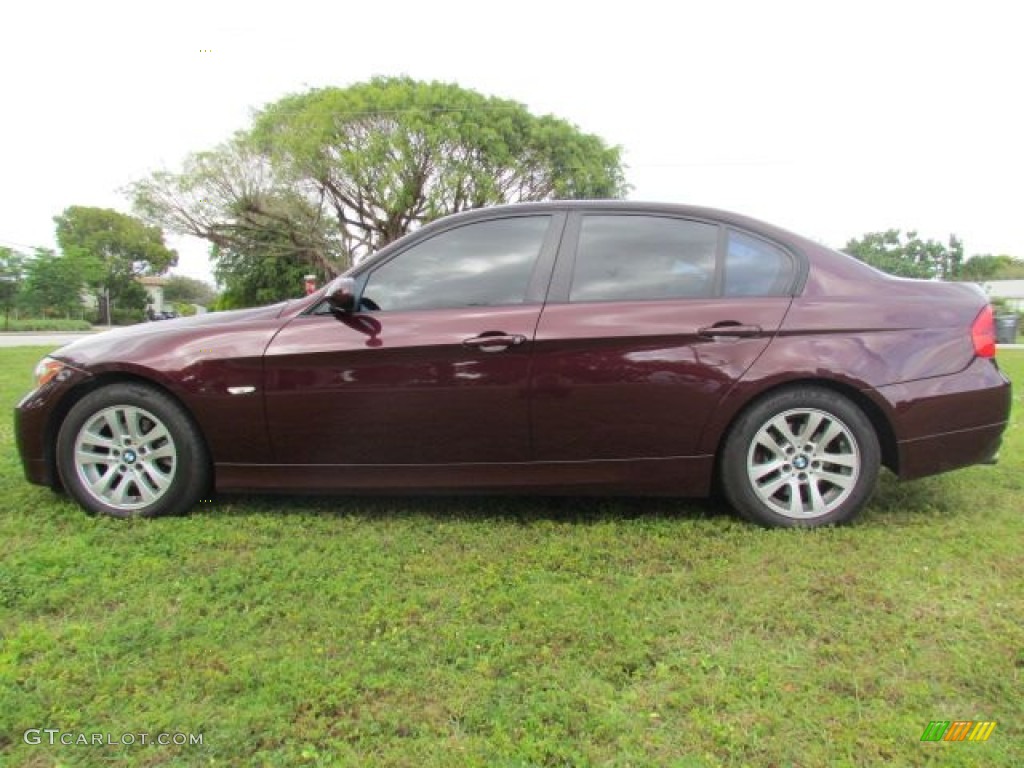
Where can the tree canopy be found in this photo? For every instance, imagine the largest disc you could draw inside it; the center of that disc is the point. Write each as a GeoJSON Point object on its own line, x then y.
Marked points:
{"type": "Point", "coordinates": [325, 177]}
{"type": "Point", "coordinates": [53, 284]}
{"type": "Point", "coordinates": [908, 255]}
{"type": "Point", "coordinates": [12, 272]}
{"type": "Point", "coordinates": [181, 289]}
{"type": "Point", "coordinates": [984, 267]}
{"type": "Point", "coordinates": [111, 249]}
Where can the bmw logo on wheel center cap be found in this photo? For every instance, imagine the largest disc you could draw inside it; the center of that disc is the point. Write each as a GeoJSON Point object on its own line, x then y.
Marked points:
{"type": "Point", "coordinates": [800, 462]}
{"type": "Point", "coordinates": [129, 457]}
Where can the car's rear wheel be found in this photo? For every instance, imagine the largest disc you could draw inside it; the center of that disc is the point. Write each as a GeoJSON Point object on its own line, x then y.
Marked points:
{"type": "Point", "coordinates": [128, 450]}
{"type": "Point", "coordinates": [803, 456]}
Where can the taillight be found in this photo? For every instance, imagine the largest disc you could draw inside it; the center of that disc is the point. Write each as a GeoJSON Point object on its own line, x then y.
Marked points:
{"type": "Point", "coordinates": [983, 333]}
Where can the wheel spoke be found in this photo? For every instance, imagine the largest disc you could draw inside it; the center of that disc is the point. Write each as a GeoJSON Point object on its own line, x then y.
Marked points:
{"type": "Point", "coordinates": [120, 494]}
{"type": "Point", "coordinates": [849, 460]}
{"type": "Point", "coordinates": [157, 434]}
{"type": "Point", "coordinates": [133, 419]}
{"type": "Point", "coordinates": [760, 471]}
{"type": "Point", "coordinates": [833, 431]}
{"type": "Point", "coordinates": [813, 423]}
{"type": "Point", "coordinates": [768, 490]}
{"type": "Point", "coordinates": [98, 440]}
{"type": "Point", "coordinates": [818, 504]}
{"type": "Point", "coordinates": [146, 493]}
{"type": "Point", "coordinates": [796, 503]}
{"type": "Point", "coordinates": [159, 479]}
{"type": "Point", "coordinates": [766, 440]}
{"type": "Point", "coordinates": [845, 482]}
{"type": "Point", "coordinates": [101, 485]}
{"type": "Point", "coordinates": [166, 451]}
{"type": "Point", "coordinates": [85, 457]}
{"type": "Point", "coordinates": [781, 423]}
{"type": "Point", "coordinates": [108, 420]}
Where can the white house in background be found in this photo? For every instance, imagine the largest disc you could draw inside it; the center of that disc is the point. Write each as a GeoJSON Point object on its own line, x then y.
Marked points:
{"type": "Point", "coordinates": [1011, 290]}
{"type": "Point", "coordinates": [155, 290]}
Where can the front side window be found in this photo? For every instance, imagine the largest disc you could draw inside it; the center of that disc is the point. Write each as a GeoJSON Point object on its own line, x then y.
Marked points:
{"type": "Point", "coordinates": [625, 258]}
{"type": "Point", "coordinates": [484, 264]}
{"type": "Point", "coordinates": [754, 267]}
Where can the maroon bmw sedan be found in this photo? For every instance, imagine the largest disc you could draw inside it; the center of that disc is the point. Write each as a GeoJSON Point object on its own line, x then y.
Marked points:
{"type": "Point", "coordinates": [566, 347]}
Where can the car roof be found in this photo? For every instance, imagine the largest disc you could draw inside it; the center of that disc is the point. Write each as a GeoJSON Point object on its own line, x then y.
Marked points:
{"type": "Point", "coordinates": [630, 206]}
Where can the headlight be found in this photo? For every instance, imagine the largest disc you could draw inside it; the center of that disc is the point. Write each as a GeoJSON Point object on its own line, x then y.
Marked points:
{"type": "Point", "coordinates": [47, 370]}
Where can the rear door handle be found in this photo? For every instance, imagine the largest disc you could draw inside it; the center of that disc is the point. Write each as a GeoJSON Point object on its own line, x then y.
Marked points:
{"type": "Point", "coordinates": [733, 330]}
{"type": "Point", "coordinates": [494, 342]}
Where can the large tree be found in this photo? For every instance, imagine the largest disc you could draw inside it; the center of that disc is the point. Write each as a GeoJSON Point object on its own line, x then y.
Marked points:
{"type": "Point", "coordinates": [262, 233]}
{"type": "Point", "coordinates": [1009, 268]}
{"type": "Point", "coordinates": [181, 289]}
{"type": "Point", "coordinates": [981, 267]}
{"type": "Point", "coordinates": [326, 177]}
{"type": "Point", "coordinates": [113, 249]}
{"type": "Point", "coordinates": [908, 255]}
{"type": "Point", "coordinates": [12, 272]}
{"type": "Point", "coordinates": [53, 284]}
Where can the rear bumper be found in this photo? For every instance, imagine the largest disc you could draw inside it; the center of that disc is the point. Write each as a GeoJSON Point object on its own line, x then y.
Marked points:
{"type": "Point", "coordinates": [949, 422]}
{"type": "Point", "coordinates": [953, 450]}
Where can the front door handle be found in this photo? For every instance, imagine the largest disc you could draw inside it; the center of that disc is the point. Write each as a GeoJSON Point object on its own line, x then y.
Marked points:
{"type": "Point", "coordinates": [494, 342]}
{"type": "Point", "coordinates": [733, 330]}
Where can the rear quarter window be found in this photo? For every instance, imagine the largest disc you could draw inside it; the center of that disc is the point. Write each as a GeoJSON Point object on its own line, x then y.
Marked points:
{"type": "Point", "coordinates": [755, 267]}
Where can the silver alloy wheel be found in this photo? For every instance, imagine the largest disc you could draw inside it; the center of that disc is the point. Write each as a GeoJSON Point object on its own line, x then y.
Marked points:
{"type": "Point", "coordinates": [125, 457]}
{"type": "Point", "coordinates": [803, 463]}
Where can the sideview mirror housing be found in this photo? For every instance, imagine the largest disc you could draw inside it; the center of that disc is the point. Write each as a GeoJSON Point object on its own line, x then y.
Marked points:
{"type": "Point", "coordinates": [341, 295]}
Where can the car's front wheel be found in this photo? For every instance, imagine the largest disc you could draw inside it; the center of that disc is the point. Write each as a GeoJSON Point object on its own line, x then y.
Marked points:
{"type": "Point", "coordinates": [804, 456]}
{"type": "Point", "coordinates": [128, 450]}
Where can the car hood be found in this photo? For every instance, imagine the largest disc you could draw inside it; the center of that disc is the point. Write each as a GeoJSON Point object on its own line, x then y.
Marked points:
{"type": "Point", "coordinates": [242, 332]}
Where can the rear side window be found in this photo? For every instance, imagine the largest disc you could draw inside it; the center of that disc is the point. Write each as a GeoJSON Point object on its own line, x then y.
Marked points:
{"type": "Point", "coordinates": [755, 267]}
{"type": "Point", "coordinates": [626, 258]}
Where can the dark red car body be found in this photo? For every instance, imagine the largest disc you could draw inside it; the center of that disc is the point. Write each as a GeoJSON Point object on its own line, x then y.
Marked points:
{"type": "Point", "coordinates": [607, 397]}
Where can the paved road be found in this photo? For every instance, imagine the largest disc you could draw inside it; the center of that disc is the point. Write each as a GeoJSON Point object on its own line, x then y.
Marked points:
{"type": "Point", "coordinates": [39, 339]}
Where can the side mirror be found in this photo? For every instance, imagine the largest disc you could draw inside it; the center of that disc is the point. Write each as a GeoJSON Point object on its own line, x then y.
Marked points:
{"type": "Point", "coordinates": [341, 295]}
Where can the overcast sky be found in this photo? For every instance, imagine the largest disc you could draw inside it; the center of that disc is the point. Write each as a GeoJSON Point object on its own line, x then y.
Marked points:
{"type": "Point", "coordinates": [832, 118]}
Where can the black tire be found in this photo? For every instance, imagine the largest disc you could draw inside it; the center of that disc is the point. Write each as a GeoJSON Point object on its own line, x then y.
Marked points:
{"type": "Point", "coordinates": [129, 450]}
{"type": "Point", "coordinates": [800, 457]}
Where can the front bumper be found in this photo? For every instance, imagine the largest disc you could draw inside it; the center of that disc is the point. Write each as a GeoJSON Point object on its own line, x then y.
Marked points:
{"type": "Point", "coordinates": [36, 421]}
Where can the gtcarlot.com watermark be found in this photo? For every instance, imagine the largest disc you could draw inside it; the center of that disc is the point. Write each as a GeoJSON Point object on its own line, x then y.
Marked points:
{"type": "Point", "coordinates": [55, 736]}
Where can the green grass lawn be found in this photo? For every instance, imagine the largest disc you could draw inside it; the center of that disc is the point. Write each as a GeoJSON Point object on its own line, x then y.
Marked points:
{"type": "Point", "coordinates": [514, 632]}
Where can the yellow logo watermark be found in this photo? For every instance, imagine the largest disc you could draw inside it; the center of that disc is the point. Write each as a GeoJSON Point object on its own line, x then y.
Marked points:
{"type": "Point", "coordinates": [958, 730]}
